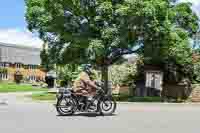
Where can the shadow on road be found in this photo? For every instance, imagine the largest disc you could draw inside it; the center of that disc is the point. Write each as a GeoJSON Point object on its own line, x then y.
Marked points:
{"type": "Point", "coordinates": [3, 102]}
{"type": "Point", "coordinates": [87, 115]}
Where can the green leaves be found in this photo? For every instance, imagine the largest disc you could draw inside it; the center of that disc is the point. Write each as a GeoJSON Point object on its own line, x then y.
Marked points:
{"type": "Point", "coordinates": [105, 9]}
{"type": "Point", "coordinates": [197, 71]}
{"type": "Point", "coordinates": [68, 72]}
{"type": "Point", "coordinates": [97, 29]}
{"type": "Point", "coordinates": [122, 74]}
{"type": "Point", "coordinates": [122, 10]}
{"type": "Point", "coordinates": [96, 50]}
{"type": "Point", "coordinates": [109, 34]}
{"type": "Point", "coordinates": [3, 70]}
{"type": "Point", "coordinates": [186, 18]}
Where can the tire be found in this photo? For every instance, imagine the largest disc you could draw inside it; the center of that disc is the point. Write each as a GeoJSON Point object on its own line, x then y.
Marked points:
{"type": "Point", "coordinates": [107, 106]}
{"type": "Point", "coordinates": [67, 108]}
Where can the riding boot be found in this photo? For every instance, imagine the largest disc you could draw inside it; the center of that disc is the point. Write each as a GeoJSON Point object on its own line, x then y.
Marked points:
{"type": "Point", "coordinates": [85, 103]}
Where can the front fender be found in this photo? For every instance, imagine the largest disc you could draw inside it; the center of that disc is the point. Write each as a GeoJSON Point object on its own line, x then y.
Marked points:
{"type": "Point", "coordinates": [103, 98]}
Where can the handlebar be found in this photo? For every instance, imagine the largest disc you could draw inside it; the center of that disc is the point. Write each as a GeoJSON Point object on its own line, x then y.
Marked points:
{"type": "Point", "coordinates": [99, 84]}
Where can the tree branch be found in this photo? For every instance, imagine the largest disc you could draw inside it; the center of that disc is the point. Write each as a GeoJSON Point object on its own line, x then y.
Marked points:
{"type": "Point", "coordinates": [118, 53]}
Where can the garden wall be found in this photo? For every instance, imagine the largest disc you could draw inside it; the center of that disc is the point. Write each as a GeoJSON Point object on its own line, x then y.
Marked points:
{"type": "Point", "coordinates": [121, 90]}
{"type": "Point", "coordinates": [195, 94]}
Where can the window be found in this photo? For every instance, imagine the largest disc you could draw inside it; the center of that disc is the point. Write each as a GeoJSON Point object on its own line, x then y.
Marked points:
{"type": "Point", "coordinates": [154, 79]}
{"type": "Point", "coordinates": [7, 65]}
{"type": "Point", "coordinates": [2, 65]}
{"type": "Point", "coordinates": [32, 77]}
{"type": "Point", "coordinates": [4, 76]}
{"type": "Point", "coordinates": [18, 65]}
{"type": "Point", "coordinates": [32, 67]}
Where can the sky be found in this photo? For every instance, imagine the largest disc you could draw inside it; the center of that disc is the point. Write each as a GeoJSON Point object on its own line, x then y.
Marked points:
{"type": "Point", "coordinates": [196, 5]}
{"type": "Point", "coordinates": [13, 25]}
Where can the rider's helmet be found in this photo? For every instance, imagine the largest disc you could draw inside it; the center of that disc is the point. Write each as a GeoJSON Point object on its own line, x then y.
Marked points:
{"type": "Point", "coordinates": [87, 68]}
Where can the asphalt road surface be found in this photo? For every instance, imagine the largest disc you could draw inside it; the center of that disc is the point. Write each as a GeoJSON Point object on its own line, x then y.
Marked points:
{"type": "Point", "coordinates": [24, 116]}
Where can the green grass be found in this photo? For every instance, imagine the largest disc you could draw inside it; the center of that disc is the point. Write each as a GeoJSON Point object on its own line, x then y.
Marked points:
{"type": "Point", "coordinates": [122, 98]}
{"type": "Point", "coordinates": [12, 87]}
{"type": "Point", "coordinates": [43, 96]}
{"type": "Point", "coordinates": [126, 98]}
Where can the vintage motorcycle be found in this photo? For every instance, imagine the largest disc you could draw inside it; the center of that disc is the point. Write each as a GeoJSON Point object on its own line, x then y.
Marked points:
{"type": "Point", "coordinates": [69, 102]}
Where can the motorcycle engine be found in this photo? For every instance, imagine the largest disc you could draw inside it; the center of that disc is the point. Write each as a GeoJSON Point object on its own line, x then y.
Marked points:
{"type": "Point", "coordinates": [92, 106]}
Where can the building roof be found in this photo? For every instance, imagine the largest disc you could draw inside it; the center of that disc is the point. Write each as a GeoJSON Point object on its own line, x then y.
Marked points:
{"type": "Point", "coordinates": [18, 46]}
{"type": "Point", "coordinates": [13, 53]}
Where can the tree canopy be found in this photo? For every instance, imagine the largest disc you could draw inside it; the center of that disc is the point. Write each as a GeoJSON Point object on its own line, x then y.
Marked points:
{"type": "Point", "coordinates": [101, 31]}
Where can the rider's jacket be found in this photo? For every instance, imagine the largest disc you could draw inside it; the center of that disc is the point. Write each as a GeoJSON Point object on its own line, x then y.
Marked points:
{"type": "Point", "coordinates": [80, 82]}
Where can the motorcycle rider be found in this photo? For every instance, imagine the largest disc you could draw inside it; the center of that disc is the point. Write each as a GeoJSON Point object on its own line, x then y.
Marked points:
{"type": "Point", "coordinates": [84, 85]}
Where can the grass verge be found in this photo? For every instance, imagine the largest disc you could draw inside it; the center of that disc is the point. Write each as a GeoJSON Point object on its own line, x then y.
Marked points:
{"type": "Point", "coordinates": [12, 87]}
{"type": "Point", "coordinates": [126, 98]}
{"type": "Point", "coordinates": [123, 98]}
{"type": "Point", "coordinates": [45, 96]}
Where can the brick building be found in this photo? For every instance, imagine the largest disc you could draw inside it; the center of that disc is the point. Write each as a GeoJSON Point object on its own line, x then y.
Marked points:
{"type": "Point", "coordinates": [15, 58]}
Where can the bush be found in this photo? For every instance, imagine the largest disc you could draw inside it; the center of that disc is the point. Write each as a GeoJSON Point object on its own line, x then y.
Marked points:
{"type": "Point", "coordinates": [67, 73]}
{"type": "Point", "coordinates": [122, 98]}
{"type": "Point", "coordinates": [145, 99]}
{"type": "Point", "coordinates": [123, 75]}
{"type": "Point", "coordinates": [197, 72]}
{"type": "Point", "coordinates": [3, 70]}
{"type": "Point", "coordinates": [63, 83]}
{"type": "Point", "coordinates": [18, 77]}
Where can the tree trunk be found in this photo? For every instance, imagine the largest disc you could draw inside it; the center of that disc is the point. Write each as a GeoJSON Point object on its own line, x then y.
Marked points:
{"type": "Point", "coordinates": [105, 79]}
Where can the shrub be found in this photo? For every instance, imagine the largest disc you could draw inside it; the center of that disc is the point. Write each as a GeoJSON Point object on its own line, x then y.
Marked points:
{"type": "Point", "coordinates": [18, 77]}
{"type": "Point", "coordinates": [123, 75]}
{"type": "Point", "coordinates": [3, 70]}
{"type": "Point", "coordinates": [63, 83]}
{"type": "Point", "coordinates": [197, 72]}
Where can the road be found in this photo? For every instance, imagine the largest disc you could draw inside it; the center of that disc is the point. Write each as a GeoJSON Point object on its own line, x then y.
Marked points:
{"type": "Point", "coordinates": [19, 115]}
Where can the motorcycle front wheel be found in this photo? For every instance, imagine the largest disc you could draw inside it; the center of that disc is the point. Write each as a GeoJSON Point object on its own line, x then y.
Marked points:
{"type": "Point", "coordinates": [107, 106]}
{"type": "Point", "coordinates": [65, 106]}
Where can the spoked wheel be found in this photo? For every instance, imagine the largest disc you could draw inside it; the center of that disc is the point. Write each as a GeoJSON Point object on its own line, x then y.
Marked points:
{"type": "Point", "coordinates": [107, 106]}
{"type": "Point", "coordinates": [65, 106]}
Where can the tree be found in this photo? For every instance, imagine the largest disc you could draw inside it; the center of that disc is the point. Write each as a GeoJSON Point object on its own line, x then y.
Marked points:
{"type": "Point", "coordinates": [46, 61]}
{"type": "Point", "coordinates": [123, 74]}
{"type": "Point", "coordinates": [67, 73]}
{"type": "Point", "coordinates": [101, 31]}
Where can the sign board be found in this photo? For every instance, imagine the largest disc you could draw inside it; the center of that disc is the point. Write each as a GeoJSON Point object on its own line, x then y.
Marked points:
{"type": "Point", "coordinates": [154, 79]}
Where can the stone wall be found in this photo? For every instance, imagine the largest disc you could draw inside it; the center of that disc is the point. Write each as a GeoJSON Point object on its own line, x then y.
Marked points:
{"type": "Point", "coordinates": [195, 94]}
{"type": "Point", "coordinates": [121, 90]}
